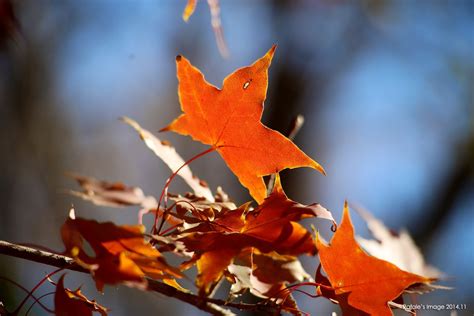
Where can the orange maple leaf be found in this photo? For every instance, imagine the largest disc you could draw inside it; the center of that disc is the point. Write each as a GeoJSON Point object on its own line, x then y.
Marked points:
{"type": "Point", "coordinates": [229, 120]}
{"type": "Point", "coordinates": [362, 283]}
{"type": "Point", "coordinates": [74, 303]}
{"type": "Point", "coordinates": [122, 255]}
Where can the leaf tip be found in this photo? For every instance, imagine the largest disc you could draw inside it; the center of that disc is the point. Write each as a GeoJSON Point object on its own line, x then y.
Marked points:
{"type": "Point", "coordinates": [272, 50]}
{"type": "Point", "coordinates": [72, 213]}
{"type": "Point", "coordinates": [313, 164]}
{"type": "Point", "coordinates": [346, 217]}
{"type": "Point", "coordinates": [321, 169]}
{"type": "Point", "coordinates": [319, 241]}
{"type": "Point", "coordinates": [127, 120]}
{"type": "Point", "coordinates": [269, 55]}
{"type": "Point", "coordinates": [164, 129]}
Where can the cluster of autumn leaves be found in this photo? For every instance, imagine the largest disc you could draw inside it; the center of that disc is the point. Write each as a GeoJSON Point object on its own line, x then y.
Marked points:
{"type": "Point", "coordinates": [254, 247]}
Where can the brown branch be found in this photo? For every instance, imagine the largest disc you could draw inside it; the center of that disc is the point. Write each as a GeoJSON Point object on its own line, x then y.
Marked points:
{"type": "Point", "coordinates": [209, 305]}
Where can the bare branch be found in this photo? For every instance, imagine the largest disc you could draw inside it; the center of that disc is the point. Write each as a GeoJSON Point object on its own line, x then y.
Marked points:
{"type": "Point", "coordinates": [209, 305]}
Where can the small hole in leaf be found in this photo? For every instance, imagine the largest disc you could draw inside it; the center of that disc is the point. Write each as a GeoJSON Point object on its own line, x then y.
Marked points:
{"type": "Point", "coordinates": [247, 84]}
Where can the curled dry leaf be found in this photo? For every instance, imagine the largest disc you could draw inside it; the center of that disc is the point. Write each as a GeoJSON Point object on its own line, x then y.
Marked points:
{"type": "Point", "coordinates": [121, 254]}
{"type": "Point", "coordinates": [114, 194]}
{"type": "Point", "coordinates": [361, 283]}
{"type": "Point", "coordinates": [399, 249]}
{"type": "Point", "coordinates": [195, 202]}
{"type": "Point", "coordinates": [229, 120]}
{"type": "Point", "coordinates": [267, 277]}
{"type": "Point", "coordinates": [74, 303]}
{"type": "Point", "coordinates": [199, 207]}
{"type": "Point", "coordinates": [272, 226]}
{"type": "Point", "coordinates": [172, 159]}
{"type": "Point", "coordinates": [264, 275]}
{"type": "Point", "coordinates": [191, 209]}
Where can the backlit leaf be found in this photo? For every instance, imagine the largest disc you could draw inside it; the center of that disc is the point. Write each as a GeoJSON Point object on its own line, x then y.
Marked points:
{"type": "Point", "coordinates": [121, 254]}
{"type": "Point", "coordinates": [229, 120]}
{"type": "Point", "coordinates": [361, 283]}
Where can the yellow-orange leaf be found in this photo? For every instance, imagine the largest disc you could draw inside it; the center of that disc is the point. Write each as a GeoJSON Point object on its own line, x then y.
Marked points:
{"type": "Point", "coordinates": [363, 282]}
{"type": "Point", "coordinates": [122, 255]}
{"type": "Point", "coordinates": [189, 9]}
{"type": "Point", "coordinates": [229, 120]}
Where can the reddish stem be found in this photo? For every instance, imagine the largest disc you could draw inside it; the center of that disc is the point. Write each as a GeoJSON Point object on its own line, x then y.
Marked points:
{"type": "Point", "coordinates": [167, 184]}
{"type": "Point", "coordinates": [309, 284]}
{"type": "Point", "coordinates": [38, 301]}
{"type": "Point", "coordinates": [294, 287]}
{"type": "Point", "coordinates": [306, 293]}
{"type": "Point", "coordinates": [26, 291]}
{"type": "Point", "coordinates": [170, 229]}
{"type": "Point", "coordinates": [15, 312]}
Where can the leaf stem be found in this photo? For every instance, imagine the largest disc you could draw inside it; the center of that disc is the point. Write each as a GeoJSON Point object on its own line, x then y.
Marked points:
{"type": "Point", "coordinates": [15, 312]}
{"type": "Point", "coordinates": [156, 230]}
{"type": "Point", "coordinates": [210, 305]}
{"type": "Point", "coordinates": [27, 291]}
{"type": "Point", "coordinates": [38, 301]}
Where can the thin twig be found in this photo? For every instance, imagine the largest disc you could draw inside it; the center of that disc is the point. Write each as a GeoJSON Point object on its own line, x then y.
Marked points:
{"type": "Point", "coordinates": [209, 305]}
{"type": "Point", "coordinates": [154, 230]}
{"type": "Point", "coordinates": [24, 289]}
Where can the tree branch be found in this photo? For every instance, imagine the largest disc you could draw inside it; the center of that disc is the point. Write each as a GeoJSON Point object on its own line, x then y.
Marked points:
{"type": "Point", "coordinates": [209, 305]}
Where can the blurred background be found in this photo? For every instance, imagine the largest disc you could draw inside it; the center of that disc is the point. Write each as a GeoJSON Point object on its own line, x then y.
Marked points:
{"type": "Point", "coordinates": [386, 88]}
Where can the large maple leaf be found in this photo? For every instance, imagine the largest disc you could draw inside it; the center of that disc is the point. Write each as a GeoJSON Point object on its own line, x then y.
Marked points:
{"type": "Point", "coordinates": [362, 283]}
{"type": "Point", "coordinates": [229, 120]}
